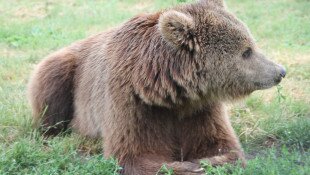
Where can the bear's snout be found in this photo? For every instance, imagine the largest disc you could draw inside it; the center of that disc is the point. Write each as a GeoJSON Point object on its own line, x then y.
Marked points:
{"type": "Point", "coordinates": [282, 71]}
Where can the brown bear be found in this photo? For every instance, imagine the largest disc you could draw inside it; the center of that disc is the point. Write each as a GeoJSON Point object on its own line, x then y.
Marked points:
{"type": "Point", "coordinates": [155, 88]}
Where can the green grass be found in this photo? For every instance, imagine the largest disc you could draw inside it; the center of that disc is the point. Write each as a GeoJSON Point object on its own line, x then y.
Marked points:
{"type": "Point", "coordinates": [273, 125]}
{"type": "Point", "coordinates": [55, 156]}
{"type": "Point", "coordinates": [270, 162]}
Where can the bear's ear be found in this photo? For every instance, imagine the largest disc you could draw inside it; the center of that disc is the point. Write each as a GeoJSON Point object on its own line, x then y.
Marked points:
{"type": "Point", "coordinates": [177, 29]}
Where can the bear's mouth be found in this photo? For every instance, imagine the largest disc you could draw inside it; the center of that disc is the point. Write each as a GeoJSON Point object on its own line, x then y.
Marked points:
{"type": "Point", "coordinates": [267, 85]}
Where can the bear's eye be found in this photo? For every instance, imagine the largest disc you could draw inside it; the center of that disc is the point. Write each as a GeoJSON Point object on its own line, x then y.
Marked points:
{"type": "Point", "coordinates": [247, 53]}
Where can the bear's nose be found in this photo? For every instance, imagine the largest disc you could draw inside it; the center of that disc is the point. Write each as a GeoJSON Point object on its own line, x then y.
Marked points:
{"type": "Point", "coordinates": [282, 71]}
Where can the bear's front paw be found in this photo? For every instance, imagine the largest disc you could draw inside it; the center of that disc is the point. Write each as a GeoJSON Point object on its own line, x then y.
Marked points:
{"type": "Point", "coordinates": [186, 168]}
{"type": "Point", "coordinates": [221, 160]}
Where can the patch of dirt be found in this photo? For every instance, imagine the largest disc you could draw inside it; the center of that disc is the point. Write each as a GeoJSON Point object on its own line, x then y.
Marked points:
{"type": "Point", "coordinates": [289, 59]}
{"type": "Point", "coordinates": [39, 10]}
{"type": "Point", "coordinates": [297, 89]}
{"type": "Point", "coordinates": [139, 7]}
{"type": "Point", "coordinates": [9, 52]}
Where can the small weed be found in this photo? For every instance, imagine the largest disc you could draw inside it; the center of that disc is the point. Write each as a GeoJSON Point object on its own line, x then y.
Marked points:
{"type": "Point", "coordinates": [280, 95]}
{"type": "Point", "coordinates": [165, 170]}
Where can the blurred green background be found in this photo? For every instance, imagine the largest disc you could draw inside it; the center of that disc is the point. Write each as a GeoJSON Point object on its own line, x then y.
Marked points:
{"type": "Point", "coordinates": [273, 125]}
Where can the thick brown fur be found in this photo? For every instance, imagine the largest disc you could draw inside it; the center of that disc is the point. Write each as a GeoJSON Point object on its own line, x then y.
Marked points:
{"type": "Point", "coordinates": [155, 88]}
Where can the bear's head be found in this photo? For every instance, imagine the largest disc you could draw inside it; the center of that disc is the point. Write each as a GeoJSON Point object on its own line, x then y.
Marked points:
{"type": "Point", "coordinates": [225, 62]}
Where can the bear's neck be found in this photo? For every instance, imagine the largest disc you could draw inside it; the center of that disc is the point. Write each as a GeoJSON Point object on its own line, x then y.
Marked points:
{"type": "Point", "coordinates": [160, 73]}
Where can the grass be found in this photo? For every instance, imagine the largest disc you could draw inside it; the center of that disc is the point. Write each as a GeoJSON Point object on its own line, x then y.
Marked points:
{"type": "Point", "coordinates": [273, 125]}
